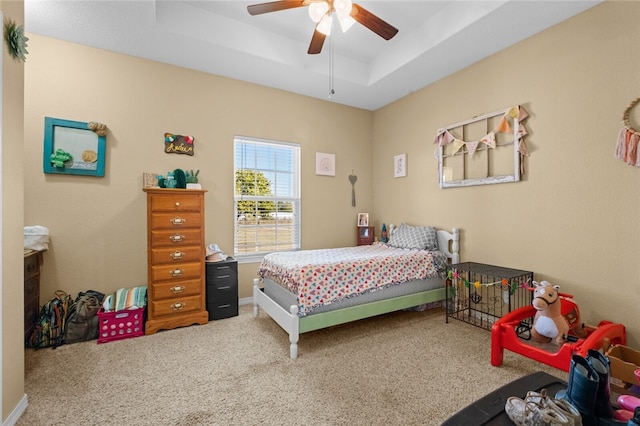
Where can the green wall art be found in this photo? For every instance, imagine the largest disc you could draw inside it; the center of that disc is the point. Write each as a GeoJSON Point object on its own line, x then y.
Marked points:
{"type": "Point", "coordinates": [15, 39]}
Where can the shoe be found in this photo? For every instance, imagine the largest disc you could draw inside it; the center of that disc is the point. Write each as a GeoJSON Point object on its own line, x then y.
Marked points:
{"type": "Point", "coordinates": [628, 402]}
{"type": "Point", "coordinates": [582, 388]}
{"type": "Point", "coordinates": [562, 406]}
{"type": "Point", "coordinates": [623, 415]}
{"type": "Point", "coordinates": [529, 413]}
{"type": "Point", "coordinates": [600, 363]}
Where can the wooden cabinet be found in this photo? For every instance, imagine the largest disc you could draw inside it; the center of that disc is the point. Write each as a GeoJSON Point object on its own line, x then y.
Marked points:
{"type": "Point", "coordinates": [366, 235]}
{"type": "Point", "coordinates": [32, 262]}
{"type": "Point", "coordinates": [222, 289]}
{"type": "Point", "coordinates": [175, 259]}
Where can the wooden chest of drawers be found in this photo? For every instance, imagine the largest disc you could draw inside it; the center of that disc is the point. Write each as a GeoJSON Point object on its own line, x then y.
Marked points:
{"type": "Point", "coordinates": [175, 259]}
{"type": "Point", "coordinates": [32, 262]}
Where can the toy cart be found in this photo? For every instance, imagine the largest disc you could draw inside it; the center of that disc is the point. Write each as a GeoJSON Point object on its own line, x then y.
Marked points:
{"type": "Point", "coordinates": [505, 335]}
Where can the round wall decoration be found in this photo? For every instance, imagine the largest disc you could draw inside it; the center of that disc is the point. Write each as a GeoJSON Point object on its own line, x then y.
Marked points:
{"type": "Point", "coordinates": [628, 138]}
{"type": "Point", "coordinates": [15, 39]}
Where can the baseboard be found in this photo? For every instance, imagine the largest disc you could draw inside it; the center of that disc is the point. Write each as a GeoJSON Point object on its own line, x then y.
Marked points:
{"type": "Point", "coordinates": [245, 301]}
{"type": "Point", "coordinates": [17, 412]}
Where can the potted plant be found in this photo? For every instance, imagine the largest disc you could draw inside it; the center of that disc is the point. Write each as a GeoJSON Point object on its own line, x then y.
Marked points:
{"type": "Point", "coordinates": [192, 179]}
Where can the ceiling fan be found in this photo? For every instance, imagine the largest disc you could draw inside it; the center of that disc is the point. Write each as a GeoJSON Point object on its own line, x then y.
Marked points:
{"type": "Point", "coordinates": [321, 12]}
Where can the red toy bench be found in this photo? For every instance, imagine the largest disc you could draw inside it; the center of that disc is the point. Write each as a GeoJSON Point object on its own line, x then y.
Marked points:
{"type": "Point", "coordinates": [504, 336]}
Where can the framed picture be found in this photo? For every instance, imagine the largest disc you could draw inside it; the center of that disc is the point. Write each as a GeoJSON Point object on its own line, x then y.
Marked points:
{"type": "Point", "coordinates": [150, 180]}
{"type": "Point", "coordinates": [71, 147]}
{"type": "Point", "coordinates": [400, 165]}
{"type": "Point", "coordinates": [363, 219]}
{"type": "Point", "coordinates": [325, 164]}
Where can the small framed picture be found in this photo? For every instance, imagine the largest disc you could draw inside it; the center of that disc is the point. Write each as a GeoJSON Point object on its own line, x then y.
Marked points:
{"type": "Point", "coordinates": [400, 165]}
{"type": "Point", "coordinates": [363, 219]}
{"type": "Point", "coordinates": [325, 164]}
{"type": "Point", "coordinates": [150, 180]}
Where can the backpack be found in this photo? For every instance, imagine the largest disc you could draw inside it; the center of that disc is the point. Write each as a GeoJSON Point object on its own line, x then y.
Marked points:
{"type": "Point", "coordinates": [82, 320]}
{"type": "Point", "coordinates": [50, 328]}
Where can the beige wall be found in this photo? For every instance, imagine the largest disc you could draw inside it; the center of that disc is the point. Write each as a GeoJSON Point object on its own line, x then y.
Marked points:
{"type": "Point", "coordinates": [12, 127]}
{"type": "Point", "coordinates": [574, 219]}
{"type": "Point", "coordinates": [98, 225]}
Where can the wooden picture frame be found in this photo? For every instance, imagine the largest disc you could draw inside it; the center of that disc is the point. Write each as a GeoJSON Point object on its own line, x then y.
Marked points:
{"type": "Point", "coordinates": [400, 165]}
{"type": "Point", "coordinates": [492, 161]}
{"type": "Point", "coordinates": [325, 164]}
{"type": "Point", "coordinates": [363, 219]}
{"type": "Point", "coordinates": [71, 147]}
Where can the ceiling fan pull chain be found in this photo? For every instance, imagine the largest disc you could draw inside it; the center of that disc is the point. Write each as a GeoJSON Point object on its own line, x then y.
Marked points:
{"type": "Point", "coordinates": [331, 90]}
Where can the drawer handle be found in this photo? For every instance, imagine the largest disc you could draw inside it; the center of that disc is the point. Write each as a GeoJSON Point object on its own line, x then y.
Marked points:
{"type": "Point", "coordinates": [221, 277]}
{"type": "Point", "coordinates": [177, 289]}
{"type": "Point", "coordinates": [176, 238]}
{"type": "Point", "coordinates": [176, 255]}
{"type": "Point", "coordinates": [226, 287]}
{"type": "Point", "coordinates": [224, 306]}
{"type": "Point", "coordinates": [178, 220]}
{"type": "Point", "coordinates": [177, 203]}
{"type": "Point", "coordinates": [178, 305]}
{"type": "Point", "coordinates": [176, 272]}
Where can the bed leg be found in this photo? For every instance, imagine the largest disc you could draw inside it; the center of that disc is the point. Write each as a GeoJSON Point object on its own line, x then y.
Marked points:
{"type": "Point", "coordinates": [294, 335]}
{"type": "Point", "coordinates": [256, 289]}
{"type": "Point", "coordinates": [455, 246]}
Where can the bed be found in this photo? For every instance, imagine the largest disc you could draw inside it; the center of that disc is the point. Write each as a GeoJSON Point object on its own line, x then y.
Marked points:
{"type": "Point", "coordinates": [308, 290]}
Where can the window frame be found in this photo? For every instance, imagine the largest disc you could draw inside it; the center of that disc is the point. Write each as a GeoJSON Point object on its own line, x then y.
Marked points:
{"type": "Point", "coordinates": [293, 198]}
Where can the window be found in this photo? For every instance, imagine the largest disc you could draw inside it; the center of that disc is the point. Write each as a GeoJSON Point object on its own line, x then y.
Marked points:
{"type": "Point", "coordinates": [266, 197]}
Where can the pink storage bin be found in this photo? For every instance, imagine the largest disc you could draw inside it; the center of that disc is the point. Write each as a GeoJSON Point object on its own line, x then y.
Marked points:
{"type": "Point", "coordinates": [118, 325]}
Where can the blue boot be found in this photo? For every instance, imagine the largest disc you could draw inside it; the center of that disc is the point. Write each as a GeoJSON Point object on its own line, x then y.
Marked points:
{"type": "Point", "coordinates": [600, 363]}
{"type": "Point", "coordinates": [582, 389]}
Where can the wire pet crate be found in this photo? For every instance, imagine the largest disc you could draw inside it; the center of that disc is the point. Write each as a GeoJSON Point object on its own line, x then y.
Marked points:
{"type": "Point", "coordinates": [479, 294]}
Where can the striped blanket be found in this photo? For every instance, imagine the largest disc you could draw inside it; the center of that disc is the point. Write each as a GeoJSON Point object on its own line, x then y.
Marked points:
{"type": "Point", "coordinates": [126, 298]}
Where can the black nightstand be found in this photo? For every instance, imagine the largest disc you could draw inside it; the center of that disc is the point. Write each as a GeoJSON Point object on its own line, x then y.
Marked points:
{"type": "Point", "coordinates": [222, 289]}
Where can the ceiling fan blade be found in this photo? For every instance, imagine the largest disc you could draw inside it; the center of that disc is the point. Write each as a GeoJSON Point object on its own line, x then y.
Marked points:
{"type": "Point", "coordinates": [371, 21]}
{"type": "Point", "coordinates": [317, 41]}
{"type": "Point", "coordinates": [274, 6]}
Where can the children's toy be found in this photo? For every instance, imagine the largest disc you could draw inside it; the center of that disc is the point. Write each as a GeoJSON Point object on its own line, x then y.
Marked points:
{"type": "Point", "coordinates": [60, 157]}
{"type": "Point", "coordinates": [628, 402]}
{"type": "Point", "coordinates": [550, 323]}
{"type": "Point", "coordinates": [505, 335]}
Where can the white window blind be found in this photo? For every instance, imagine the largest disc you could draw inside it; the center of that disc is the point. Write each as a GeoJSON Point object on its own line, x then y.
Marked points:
{"type": "Point", "coordinates": [267, 197]}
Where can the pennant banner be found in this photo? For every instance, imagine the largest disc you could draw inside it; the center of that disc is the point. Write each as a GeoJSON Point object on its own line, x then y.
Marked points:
{"type": "Point", "coordinates": [471, 147]}
{"type": "Point", "coordinates": [489, 140]}
{"type": "Point", "coordinates": [457, 145]}
{"type": "Point", "coordinates": [444, 137]}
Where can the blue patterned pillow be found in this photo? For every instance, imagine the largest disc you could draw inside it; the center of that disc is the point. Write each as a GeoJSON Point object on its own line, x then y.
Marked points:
{"type": "Point", "coordinates": [414, 237]}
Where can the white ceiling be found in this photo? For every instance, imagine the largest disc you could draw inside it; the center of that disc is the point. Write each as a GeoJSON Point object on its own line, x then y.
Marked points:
{"type": "Point", "coordinates": [435, 39]}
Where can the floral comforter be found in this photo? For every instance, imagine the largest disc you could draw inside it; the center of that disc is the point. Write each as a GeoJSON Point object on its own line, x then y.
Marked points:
{"type": "Point", "coordinates": [320, 277]}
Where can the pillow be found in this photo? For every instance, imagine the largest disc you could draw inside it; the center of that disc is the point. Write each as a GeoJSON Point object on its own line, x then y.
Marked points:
{"type": "Point", "coordinates": [414, 237]}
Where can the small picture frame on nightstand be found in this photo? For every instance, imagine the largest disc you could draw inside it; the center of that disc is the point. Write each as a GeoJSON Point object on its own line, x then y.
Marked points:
{"type": "Point", "coordinates": [363, 219]}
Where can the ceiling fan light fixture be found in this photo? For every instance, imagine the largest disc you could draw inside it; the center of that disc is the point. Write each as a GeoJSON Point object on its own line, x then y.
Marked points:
{"type": "Point", "coordinates": [342, 7]}
{"type": "Point", "coordinates": [317, 10]}
{"type": "Point", "coordinates": [346, 22]}
{"type": "Point", "coordinates": [324, 26]}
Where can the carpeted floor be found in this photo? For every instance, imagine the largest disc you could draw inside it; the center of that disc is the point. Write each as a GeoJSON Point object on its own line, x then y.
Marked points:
{"type": "Point", "coordinates": [402, 368]}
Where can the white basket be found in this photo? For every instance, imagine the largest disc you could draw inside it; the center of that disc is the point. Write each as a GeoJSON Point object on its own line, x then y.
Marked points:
{"type": "Point", "coordinates": [36, 238]}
